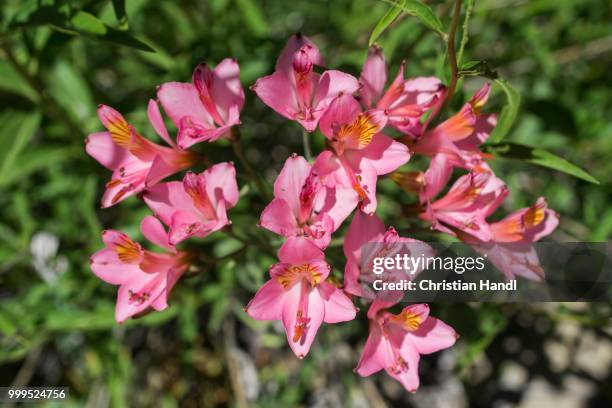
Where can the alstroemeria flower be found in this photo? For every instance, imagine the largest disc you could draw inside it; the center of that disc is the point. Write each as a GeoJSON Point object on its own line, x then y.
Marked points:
{"type": "Point", "coordinates": [405, 101]}
{"type": "Point", "coordinates": [295, 91]}
{"type": "Point", "coordinates": [197, 205]}
{"type": "Point", "coordinates": [396, 342]}
{"type": "Point", "coordinates": [298, 295]}
{"type": "Point", "coordinates": [366, 239]}
{"type": "Point", "coordinates": [207, 108]}
{"type": "Point", "coordinates": [145, 278]}
{"type": "Point", "coordinates": [302, 206]}
{"type": "Point", "coordinates": [470, 200]}
{"type": "Point", "coordinates": [460, 136]}
{"type": "Point", "coordinates": [136, 162]}
{"type": "Point", "coordinates": [358, 151]}
{"type": "Point", "coordinates": [510, 248]}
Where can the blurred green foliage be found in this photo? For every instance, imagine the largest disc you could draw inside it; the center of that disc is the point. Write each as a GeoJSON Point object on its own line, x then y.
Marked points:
{"type": "Point", "coordinates": [58, 59]}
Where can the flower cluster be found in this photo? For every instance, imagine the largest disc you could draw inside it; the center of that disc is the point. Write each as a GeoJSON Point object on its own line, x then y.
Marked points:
{"type": "Point", "coordinates": [196, 206]}
{"type": "Point", "coordinates": [312, 200]}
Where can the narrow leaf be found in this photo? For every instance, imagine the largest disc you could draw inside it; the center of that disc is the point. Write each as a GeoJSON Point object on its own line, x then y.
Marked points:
{"type": "Point", "coordinates": [119, 7]}
{"type": "Point", "coordinates": [253, 17]}
{"type": "Point", "coordinates": [508, 113]}
{"type": "Point", "coordinates": [16, 131]}
{"type": "Point", "coordinates": [385, 22]}
{"type": "Point", "coordinates": [87, 23]}
{"type": "Point", "coordinates": [538, 156]}
{"type": "Point", "coordinates": [421, 11]}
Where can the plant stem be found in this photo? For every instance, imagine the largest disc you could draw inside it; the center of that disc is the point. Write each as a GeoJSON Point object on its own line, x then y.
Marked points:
{"type": "Point", "coordinates": [452, 56]}
{"type": "Point", "coordinates": [306, 143]}
{"type": "Point", "coordinates": [237, 147]}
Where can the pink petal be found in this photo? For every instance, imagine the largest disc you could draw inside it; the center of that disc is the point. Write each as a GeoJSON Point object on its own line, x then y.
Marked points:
{"type": "Point", "coordinates": [342, 110]}
{"type": "Point", "coordinates": [432, 335]}
{"type": "Point", "coordinates": [278, 92]}
{"type": "Point", "coordinates": [363, 229]}
{"type": "Point", "coordinates": [299, 251]}
{"type": "Point", "coordinates": [437, 177]}
{"type": "Point", "coordinates": [221, 184]}
{"type": "Point", "coordinates": [157, 122]}
{"type": "Point", "coordinates": [166, 198]}
{"type": "Point", "coordinates": [289, 183]}
{"type": "Point", "coordinates": [267, 304]}
{"type": "Point", "coordinates": [152, 284]}
{"type": "Point", "coordinates": [385, 154]}
{"type": "Point", "coordinates": [106, 265]}
{"type": "Point", "coordinates": [101, 147]}
{"type": "Point", "coordinates": [183, 225]}
{"type": "Point", "coordinates": [338, 307]}
{"type": "Point", "coordinates": [227, 90]}
{"type": "Point", "coordinates": [278, 217]}
{"type": "Point", "coordinates": [374, 355]}
{"type": "Point", "coordinates": [181, 100]}
{"type": "Point", "coordinates": [409, 377]}
{"type": "Point", "coordinates": [351, 278]}
{"type": "Point", "coordinates": [154, 231]}
{"type": "Point", "coordinates": [315, 311]}
{"type": "Point", "coordinates": [339, 203]}
{"type": "Point", "coordinates": [373, 76]}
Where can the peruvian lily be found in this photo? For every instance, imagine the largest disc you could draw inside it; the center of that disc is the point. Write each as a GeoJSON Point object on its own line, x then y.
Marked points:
{"type": "Point", "coordinates": [358, 152]}
{"type": "Point", "coordinates": [366, 239]}
{"type": "Point", "coordinates": [397, 341]}
{"type": "Point", "coordinates": [470, 200]}
{"type": "Point", "coordinates": [207, 108]}
{"type": "Point", "coordinates": [302, 206]}
{"type": "Point", "coordinates": [145, 278]}
{"type": "Point", "coordinates": [460, 136]}
{"type": "Point", "coordinates": [295, 91]}
{"type": "Point", "coordinates": [405, 101]}
{"type": "Point", "coordinates": [298, 295]}
{"type": "Point", "coordinates": [510, 248]}
{"type": "Point", "coordinates": [136, 162]}
{"type": "Point", "coordinates": [197, 205]}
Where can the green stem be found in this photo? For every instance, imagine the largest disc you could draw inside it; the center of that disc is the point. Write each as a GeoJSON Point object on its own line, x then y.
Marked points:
{"type": "Point", "coordinates": [452, 56]}
{"type": "Point", "coordinates": [306, 143]}
{"type": "Point", "coordinates": [237, 147]}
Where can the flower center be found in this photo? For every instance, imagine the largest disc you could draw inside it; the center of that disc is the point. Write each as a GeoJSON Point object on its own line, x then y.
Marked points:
{"type": "Point", "coordinates": [293, 274]}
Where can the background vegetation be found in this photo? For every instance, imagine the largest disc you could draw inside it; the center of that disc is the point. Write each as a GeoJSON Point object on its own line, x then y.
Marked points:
{"type": "Point", "coordinates": [59, 59]}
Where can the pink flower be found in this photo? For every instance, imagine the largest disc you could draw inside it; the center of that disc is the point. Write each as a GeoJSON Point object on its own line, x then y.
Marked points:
{"type": "Point", "coordinates": [460, 136]}
{"type": "Point", "coordinates": [405, 101]}
{"type": "Point", "coordinates": [396, 342]}
{"type": "Point", "coordinates": [366, 239]}
{"type": "Point", "coordinates": [207, 108]}
{"type": "Point", "coordinates": [145, 278]}
{"type": "Point", "coordinates": [295, 91]}
{"type": "Point", "coordinates": [196, 206]}
{"type": "Point", "coordinates": [298, 295]}
{"type": "Point", "coordinates": [302, 206]}
{"type": "Point", "coordinates": [358, 153]}
{"type": "Point", "coordinates": [470, 200]}
{"type": "Point", "coordinates": [510, 248]}
{"type": "Point", "coordinates": [136, 162]}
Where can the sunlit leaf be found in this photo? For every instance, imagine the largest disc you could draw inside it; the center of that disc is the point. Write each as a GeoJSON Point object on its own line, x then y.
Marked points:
{"type": "Point", "coordinates": [421, 11]}
{"type": "Point", "coordinates": [16, 131]}
{"type": "Point", "coordinates": [253, 17]}
{"type": "Point", "coordinates": [536, 155]}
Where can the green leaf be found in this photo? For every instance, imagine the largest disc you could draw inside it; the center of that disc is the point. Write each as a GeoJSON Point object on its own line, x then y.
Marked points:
{"type": "Point", "coordinates": [34, 160]}
{"type": "Point", "coordinates": [16, 131]}
{"type": "Point", "coordinates": [421, 11]}
{"type": "Point", "coordinates": [119, 7]}
{"type": "Point", "coordinates": [70, 89]}
{"type": "Point", "coordinates": [538, 156]}
{"type": "Point", "coordinates": [508, 113]}
{"type": "Point", "coordinates": [87, 23]}
{"type": "Point", "coordinates": [385, 22]}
